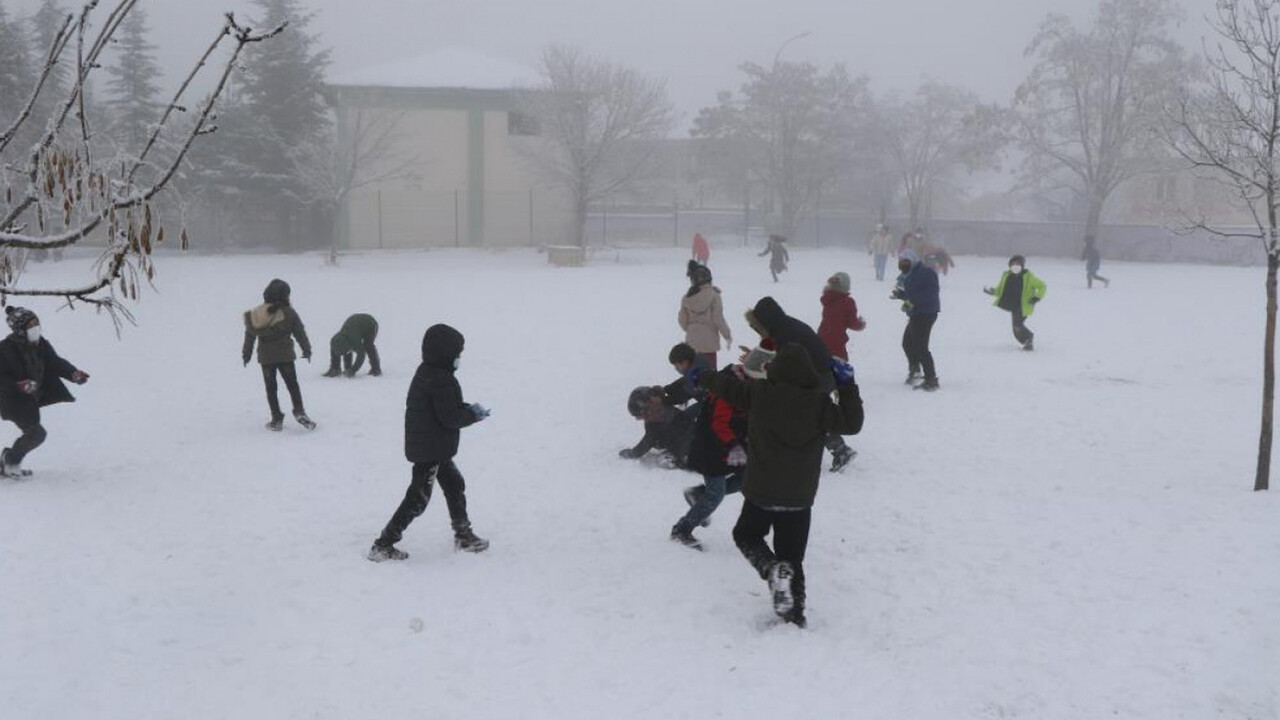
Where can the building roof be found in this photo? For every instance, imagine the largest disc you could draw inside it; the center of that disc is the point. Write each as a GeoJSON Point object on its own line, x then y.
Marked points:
{"type": "Point", "coordinates": [446, 67]}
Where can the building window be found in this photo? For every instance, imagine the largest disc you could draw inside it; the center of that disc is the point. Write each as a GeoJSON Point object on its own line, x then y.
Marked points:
{"type": "Point", "coordinates": [519, 123]}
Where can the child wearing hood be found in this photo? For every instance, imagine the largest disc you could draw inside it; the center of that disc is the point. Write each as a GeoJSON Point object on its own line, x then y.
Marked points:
{"type": "Point", "coordinates": [839, 314]}
{"type": "Point", "coordinates": [274, 325]}
{"type": "Point", "coordinates": [789, 415]}
{"type": "Point", "coordinates": [701, 314]}
{"type": "Point", "coordinates": [1018, 293]}
{"type": "Point", "coordinates": [434, 414]}
{"type": "Point", "coordinates": [917, 288]}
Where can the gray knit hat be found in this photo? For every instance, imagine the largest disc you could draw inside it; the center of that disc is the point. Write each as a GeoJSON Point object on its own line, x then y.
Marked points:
{"type": "Point", "coordinates": [839, 281]}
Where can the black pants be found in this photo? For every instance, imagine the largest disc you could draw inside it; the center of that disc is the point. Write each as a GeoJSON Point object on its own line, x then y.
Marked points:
{"type": "Point", "coordinates": [915, 343]}
{"type": "Point", "coordinates": [290, 375]}
{"type": "Point", "coordinates": [790, 540]}
{"type": "Point", "coordinates": [418, 495]}
{"type": "Point", "coordinates": [351, 362]}
{"type": "Point", "coordinates": [1021, 332]}
{"type": "Point", "coordinates": [33, 435]}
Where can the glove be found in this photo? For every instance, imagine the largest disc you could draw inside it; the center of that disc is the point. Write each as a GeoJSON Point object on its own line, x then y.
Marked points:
{"type": "Point", "coordinates": [843, 372]}
{"type": "Point", "coordinates": [737, 456]}
{"type": "Point", "coordinates": [79, 377]}
{"type": "Point", "coordinates": [989, 290]}
{"type": "Point", "coordinates": [627, 453]}
{"type": "Point", "coordinates": [479, 411]}
{"type": "Point", "coordinates": [1035, 300]}
{"type": "Point", "coordinates": [28, 387]}
{"type": "Point", "coordinates": [245, 358]}
{"type": "Point", "coordinates": [307, 357]}
{"type": "Point", "coordinates": [897, 295]}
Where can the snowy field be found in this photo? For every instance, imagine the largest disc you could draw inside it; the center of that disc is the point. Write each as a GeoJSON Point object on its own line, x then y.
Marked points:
{"type": "Point", "coordinates": [1065, 534]}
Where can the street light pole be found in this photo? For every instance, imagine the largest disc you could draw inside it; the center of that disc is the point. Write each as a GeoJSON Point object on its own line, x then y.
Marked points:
{"type": "Point", "coordinates": [778, 55]}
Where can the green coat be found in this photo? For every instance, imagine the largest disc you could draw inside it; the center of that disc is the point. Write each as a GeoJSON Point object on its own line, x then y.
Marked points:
{"type": "Point", "coordinates": [358, 330]}
{"type": "Point", "coordinates": [788, 417]}
{"type": "Point", "coordinates": [274, 333]}
{"type": "Point", "coordinates": [1032, 287]}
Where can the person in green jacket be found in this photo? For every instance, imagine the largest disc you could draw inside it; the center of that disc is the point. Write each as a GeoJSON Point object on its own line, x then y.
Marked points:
{"type": "Point", "coordinates": [352, 342]}
{"type": "Point", "coordinates": [788, 418]}
{"type": "Point", "coordinates": [274, 325]}
{"type": "Point", "coordinates": [1018, 292]}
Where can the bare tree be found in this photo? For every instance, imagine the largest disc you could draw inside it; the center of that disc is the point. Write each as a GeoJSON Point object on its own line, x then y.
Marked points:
{"type": "Point", "coordinates": [1090, 106]}
{"type": "Point", "coordinates": [59, 192]}
{"type": "Point", "coordinates": [362, 153]}
{"type": "Point", "coordinates": [1228, 129]}
{"type": "Point", "coordinates": [943, 129]}
{"type": "Point", "coordinates": [795, 127]}
{"type": "Point", "coordinates": [599, 124]}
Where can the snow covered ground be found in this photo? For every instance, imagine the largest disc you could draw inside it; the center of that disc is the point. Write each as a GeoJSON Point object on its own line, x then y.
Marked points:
{"type": "Point", "coordinates": [1068, 533]}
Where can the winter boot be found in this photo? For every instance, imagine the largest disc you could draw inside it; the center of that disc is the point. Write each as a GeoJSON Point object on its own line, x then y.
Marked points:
{"type": "Point", "coordinates": [780, 585]}
{"type": "Point", "coordinates": [468, 541]}
{"type": "Point", "coordinates": [913, 377]}
{"type": "Point", "coordinates": [332, 372]}
{"type": "Point", "coordinates": [1029, 345]}
{"type": "Point", "coordinates": [685, 538]}
{"type": "Point", "coordinates": [795, 616]}
{"type": "Point", "coordinates": [691, 496]}
{"type": "Point", "coordinates": [840, 457]}
{"type": "Point", "coordinates": [378, 553]}
{"type": "Point", "coordinates": [303, 420]}
{"type": "Point", "coordinates": [276, 424]}
{"type": "Point", "coordinates": [8, 468]}
{"type": "Point", "coordinates": [928, 385]}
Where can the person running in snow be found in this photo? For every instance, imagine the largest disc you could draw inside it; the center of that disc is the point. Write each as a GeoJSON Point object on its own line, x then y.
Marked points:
{"type": "Point", "coordinates": [31, 374]}
{"type": "Point", "coordinates": [1018, 292]}
{"type": "Point", "coordinates": [719, 454]}
{"type": "Point", "coordinates": [839, 314]}
{"type": "Point", "coordinates": [701, 314]}
{"type": "Point", "coordinates": [683, 357]}
{"type": "Point", "coordinates": [667, 429]}
{"type": "Point", "coordinates": [274, 325]}
{"type": "Point", "coordinates": [774, 325]}
{"type": "Point", "coordinates": [789, 415]}
{"type": "Point", "coordinates": [351, 343]}
{"type": "Point", "coordinates": [701, 250]}
{"type": "Point", "coordinates": [776, 249]}
{"type": "Point", "coordinates": [917, 288]}
{"type": "Point", "coordinates": [881, 246]}
{"type": "Point", "coordinates": [434, 414]}
{"type": "Point", "coordinates": [1092, 262]}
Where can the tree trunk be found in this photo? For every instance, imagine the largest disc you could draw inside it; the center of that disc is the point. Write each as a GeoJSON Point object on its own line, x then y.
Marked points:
{"type": "Point", "coordinates": [1262, 480]}
{"type": "Point", "coordinates": [580, 224]}
{"type": "Point", "coordinates": [1094, 220]}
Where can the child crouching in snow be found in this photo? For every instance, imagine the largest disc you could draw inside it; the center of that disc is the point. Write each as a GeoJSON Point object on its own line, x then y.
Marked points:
{"type": "Point", "coordinates": [434, 414]}
{"type": "Point", "coordinates": [789, 416]}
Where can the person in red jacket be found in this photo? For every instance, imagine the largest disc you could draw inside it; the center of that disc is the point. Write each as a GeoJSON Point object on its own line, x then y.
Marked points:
{"type": "Point", "coordinates": [839, 315]}
{"type": "Point", "coordinates": [701, 250]}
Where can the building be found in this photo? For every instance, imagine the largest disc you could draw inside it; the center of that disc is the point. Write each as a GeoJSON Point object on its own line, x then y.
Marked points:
{"type": "Point", "coordinates": [443, 150]}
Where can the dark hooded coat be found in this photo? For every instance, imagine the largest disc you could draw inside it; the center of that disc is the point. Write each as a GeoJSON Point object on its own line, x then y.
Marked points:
{"type": "Point", "coordinates": [21, 360]}
{"type": "Point", "coordinates": [719, 428]}
{"type": "Point", "coordinates": [786, 330]}
{"type": "Point", "coordinates": [274, 325]}
{"type": "Point", "coordinates": [434, 410]}
{"type": "Point", "coordinates": [789, 415]}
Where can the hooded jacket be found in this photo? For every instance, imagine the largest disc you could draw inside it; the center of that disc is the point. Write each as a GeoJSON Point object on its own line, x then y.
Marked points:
{"type": "Point", "coordinates": [358, 332]}
{"type": "Point", "coordinates": [434, 410]}
{"type": "Point", "coordinates": [719, 428]}
{"type": "Point", "coordinates": [273, 325]}
{"type": "Point", "coordinates": [920, 288]}
{"type": "Point", "coordinates": [783, 329]}
{"type": "Point", "coordinates": [788, 415]}
{"type": "Point", "coordinates": [702, 319]}
{"type": "Point", "coordinates": [839, 314]}
{"type": "Point", "coordinates": [21, 360]}
{"type": "Point", "coordinates": [1032, 287]}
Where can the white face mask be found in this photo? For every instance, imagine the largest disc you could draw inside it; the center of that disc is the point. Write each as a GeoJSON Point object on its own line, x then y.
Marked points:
{"type": "Point", "coordinates": [33, 334]}
{"type": "Point", "coordinates": [456, 362]}
{"type": "Point", "coordinates": [1015, 269]}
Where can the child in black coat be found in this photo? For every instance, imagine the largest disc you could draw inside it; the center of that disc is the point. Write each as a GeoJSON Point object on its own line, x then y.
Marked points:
{"type": "Point", "coordinates": [31, 374]}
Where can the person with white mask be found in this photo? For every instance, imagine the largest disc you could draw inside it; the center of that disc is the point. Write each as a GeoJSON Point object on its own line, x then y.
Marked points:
{"type": "Point", "coordinates": [31, 375]}
{"type": "Point", "coordinates": [1018, 292]}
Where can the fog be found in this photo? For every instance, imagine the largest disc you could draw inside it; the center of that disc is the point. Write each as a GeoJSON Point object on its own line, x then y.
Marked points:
{"type": "Point", "coordinates": [695, 44]}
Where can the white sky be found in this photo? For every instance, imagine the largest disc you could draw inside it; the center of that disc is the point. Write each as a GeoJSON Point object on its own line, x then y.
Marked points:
{"type": "Point", "coordinates": [695, 44]}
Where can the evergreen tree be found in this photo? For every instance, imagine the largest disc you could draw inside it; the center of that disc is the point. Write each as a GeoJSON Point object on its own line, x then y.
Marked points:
{"type": "Point", "coordinates": [133, 85]}
{"type": "Point", "coordinates": [45, 25]}
{"type": "Point", "coordinates": [283, 91]}
{"type": "Point", "coordinates": [16, 79]}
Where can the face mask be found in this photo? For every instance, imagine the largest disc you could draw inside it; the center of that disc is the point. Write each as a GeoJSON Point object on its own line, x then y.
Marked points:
{"type": "Point", "coordinates": [33, 334]}
{"type": "Point", "coordinates": [1015, 269]}
{"type": "Point", "coordinates": [456, 362]}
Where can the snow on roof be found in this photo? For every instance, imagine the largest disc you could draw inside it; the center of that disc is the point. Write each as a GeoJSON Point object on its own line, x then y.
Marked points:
{"type": "Point", "coordinates": [447, 67]}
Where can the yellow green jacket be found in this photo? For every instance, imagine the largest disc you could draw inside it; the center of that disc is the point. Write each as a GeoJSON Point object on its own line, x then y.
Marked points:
{"type": "Point", "coordinates": [1032, 287]}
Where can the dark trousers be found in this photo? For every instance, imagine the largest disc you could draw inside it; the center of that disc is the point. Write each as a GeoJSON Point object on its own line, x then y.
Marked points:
{"type": "Point", "coordinates": [709, 497]}
{"type": "Point", "coordinates": [33, 435]}
{"type": "Point", "coordinates": [290, 375]}
{"type": "Point", "coordinates": [790, 540]}
{"type": "Point", "coordinates": [351, 362]}
{"type": "Point", "coordinates": [1021, 332]}
{"type": "Point", "coordinates": [425, 475]}
{"type": "Point", "coordinates": [915, 343]}
{"type": "Point", "coordinates": [1091, 274]}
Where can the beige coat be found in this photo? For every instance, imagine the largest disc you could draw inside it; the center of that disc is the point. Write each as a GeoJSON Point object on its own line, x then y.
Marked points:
{"type": "Point", "coordinates": [702, 319]}
{"type": "Point", "coordinates": [882, 244]}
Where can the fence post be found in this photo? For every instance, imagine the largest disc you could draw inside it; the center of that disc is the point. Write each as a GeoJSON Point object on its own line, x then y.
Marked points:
{"type": "Point", "coordinates": [531, 242]}
{"type": "Point", "coordinates": [457, 241]}
{"type": "Point", "coordinates": [817, 221]}
{"type": "Point", "coordinates": [746, 215]}
{"type": "Point", "coordinates": [675, 214]}
{"type": "Point", "coordinates": [379, 218]}
{"type": "Point", "coordinates": [604, 224]}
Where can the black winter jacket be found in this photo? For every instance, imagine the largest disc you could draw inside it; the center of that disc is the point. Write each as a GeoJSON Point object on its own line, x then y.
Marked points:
{"type": "Point", "coordinates": [785, 330]}
{"type": "Point", "coordinates": [434, 410]}
{"type": "Point", "coordinates": [789, 417]}
{"type": "Point", "coordinates": [672, 435]}
{"type": "Point", "coordinates": [44, 366]}
{"type": "Point", "coordinates": [720, 426]}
